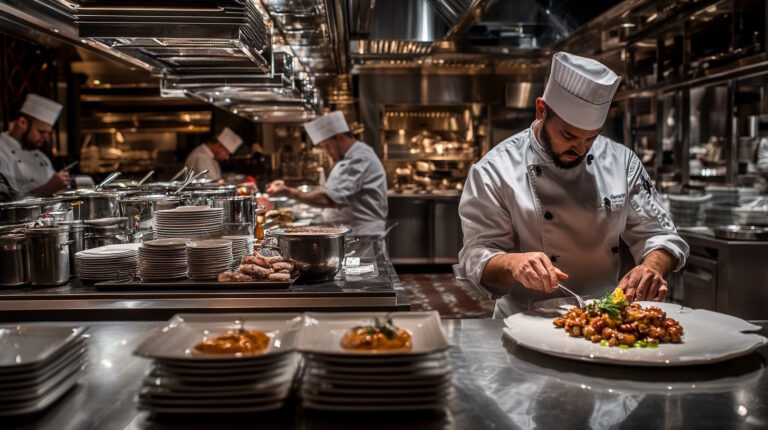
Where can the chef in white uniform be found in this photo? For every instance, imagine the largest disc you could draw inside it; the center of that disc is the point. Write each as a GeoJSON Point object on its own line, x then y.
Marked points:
{"type": "Point", "coordinates": [208, 155]}
{"type": "Point", "coordinates": [356, 189]}
{"type": "Point", "coordinates": [761, 158]}
{"type": "Point", "coordinates": [27, 170]}
{"type": "Point", "coordinates": [551, 203]}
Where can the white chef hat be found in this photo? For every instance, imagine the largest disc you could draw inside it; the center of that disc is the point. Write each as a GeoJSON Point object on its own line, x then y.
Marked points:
{"type": "Point", "coordinates": [46, 110]}
{"type": "Point", "coordinates": [326, 126]}
{"type": "Point", "coordinates": [580, 90]}
{"type": "Point", "coordinates": [230, 139]}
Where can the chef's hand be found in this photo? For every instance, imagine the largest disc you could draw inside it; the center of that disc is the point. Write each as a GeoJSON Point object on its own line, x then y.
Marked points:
{"type": "Point", "coordinates": [644, 283]}
{"type": "Point", "coordinates": [58, 181]}
{"type": "Point", "coordinates": [277, 188]}
{"type": "Point", "coordinates": [534, 270]}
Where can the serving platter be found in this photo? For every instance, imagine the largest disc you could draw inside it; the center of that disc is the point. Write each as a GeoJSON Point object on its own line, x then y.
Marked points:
{"type": "Point", "coordinates": [708, 337]}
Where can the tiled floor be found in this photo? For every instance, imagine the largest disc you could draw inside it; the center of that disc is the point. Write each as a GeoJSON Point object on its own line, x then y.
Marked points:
{"type": "Point", "coordinates": [441, 292]}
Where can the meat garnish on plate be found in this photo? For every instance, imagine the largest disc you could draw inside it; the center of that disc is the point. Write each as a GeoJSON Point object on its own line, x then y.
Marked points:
{"type": "Point", "coordinates": [613, 321]}
{"type": "Point", "coordinates": [238, 342]}
{"type": "Point", "coordinates": [382, 335]}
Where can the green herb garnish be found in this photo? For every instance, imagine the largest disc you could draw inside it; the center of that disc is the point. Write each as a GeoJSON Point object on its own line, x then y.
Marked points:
{"type": "Point", "coordinates": [609, 304]}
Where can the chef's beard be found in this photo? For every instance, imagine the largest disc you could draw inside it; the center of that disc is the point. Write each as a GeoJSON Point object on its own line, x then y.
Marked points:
{"type": "Point", "coordinates": [28, 144]}
{"type": "Point", "coordinates": [547, 142]}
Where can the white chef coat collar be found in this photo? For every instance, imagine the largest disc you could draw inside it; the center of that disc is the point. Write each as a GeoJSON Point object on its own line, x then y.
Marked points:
{"type": "Point", "coordinates": [207, 151]}
{"type": "Point", "coordinates": [15, 144]}
{"type": "Point", "coordinates": [351, 149]}
{"type": "Point", "coordinates": [541, 155]}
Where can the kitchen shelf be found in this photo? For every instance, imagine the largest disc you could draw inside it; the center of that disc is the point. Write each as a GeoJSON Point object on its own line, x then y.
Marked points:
{"type": "Point", "coordinates": [417, 157]}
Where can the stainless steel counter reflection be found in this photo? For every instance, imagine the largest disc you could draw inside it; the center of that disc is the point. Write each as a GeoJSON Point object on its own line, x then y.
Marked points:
{"type": "Point", "coordinates": [498, 385]}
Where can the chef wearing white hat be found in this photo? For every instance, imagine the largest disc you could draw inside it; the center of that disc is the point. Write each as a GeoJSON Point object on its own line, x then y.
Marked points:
{"type": "Point", "coordinates": [551, 203]}
{"type": "Point", "coordinates": [208, 155]}
{"type": "Point", "coordinates": [356, 189]}
{"type": "Point", "coordinates": [27, 170]}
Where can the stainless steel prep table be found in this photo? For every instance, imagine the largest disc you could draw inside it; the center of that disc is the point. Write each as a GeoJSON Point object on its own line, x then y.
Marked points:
{"type": "Point", "coordinates": [380, 290]}
{"type": "Point", "coordinates": [498, 385]}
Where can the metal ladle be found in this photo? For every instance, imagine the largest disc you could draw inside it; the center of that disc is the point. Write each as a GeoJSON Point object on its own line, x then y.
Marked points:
{"type": "Point", "coordinates": [107, 181]}
{"type": "Point", "coordinates": [180, 173]}
{"type": "Point", "coordinates": [144, 179]}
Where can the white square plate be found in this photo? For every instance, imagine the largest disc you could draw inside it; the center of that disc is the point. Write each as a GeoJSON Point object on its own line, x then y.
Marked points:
{"type": "Point", "coordinates": [25, 346]}
{"type": "Point", "coordinates": [323, 332]}
{"type": "Point", "coordinates": [708, 337]}
{"type": "Point", "coordinates": [178, 337]}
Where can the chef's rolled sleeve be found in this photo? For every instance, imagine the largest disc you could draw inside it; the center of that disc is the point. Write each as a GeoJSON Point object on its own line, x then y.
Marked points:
{"type": "Point", "coordinates": [486, 224]}
{"type": "Point", "coordinates": [347, 181]}
{"type": "Point", "coordinates": [649, 226]}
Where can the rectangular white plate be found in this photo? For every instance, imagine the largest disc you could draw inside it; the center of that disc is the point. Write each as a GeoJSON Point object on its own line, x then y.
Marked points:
{"type": "Point", "coordinates": [24, 346]}
{"type": "Point", "coordinates": [322, 332]}
{"type": "Point", "coordinates": [178, 337]}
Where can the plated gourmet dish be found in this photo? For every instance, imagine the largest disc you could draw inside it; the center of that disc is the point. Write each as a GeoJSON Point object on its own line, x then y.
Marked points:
{"type": "Point", "coordinates": [258, 267]}
{"type": "Point", "coordinates": [240, 342]}
{"type": "Point", "coordinates": [382, 335]}
{"type": "Point", "coordinates": [613, 321]}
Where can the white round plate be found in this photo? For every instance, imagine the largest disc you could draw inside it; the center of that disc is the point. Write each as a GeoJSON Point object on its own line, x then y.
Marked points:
{"type": "Point", "coordinates": [708, 337]}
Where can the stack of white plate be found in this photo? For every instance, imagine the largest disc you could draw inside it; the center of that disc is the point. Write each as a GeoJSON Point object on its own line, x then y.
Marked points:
{"type": "Point", "coordinates": [207, 258]}
{"type": "Point", "coordinates": [339, 380]}
{"type": "Point", "coordinates": [107, 262]}
{"type": "Point", "coordinates": [192, 222]}
{"type": "Point", "coordinates": [163, 259]}
{"type": "Point", "coordinates": [38, 365]}
{"type": "Point", "coordinates": [184, 382]}
{"type": "Point", "coordinates": [687, 210]}
{"type": "Point", "coordinates": [241, 246]}
{"type": "Point", "coordinates": [732, 196]}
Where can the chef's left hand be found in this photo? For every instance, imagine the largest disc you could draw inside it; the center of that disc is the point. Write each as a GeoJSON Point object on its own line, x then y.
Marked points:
{"type": "Point", "coordinates": [644, 283]}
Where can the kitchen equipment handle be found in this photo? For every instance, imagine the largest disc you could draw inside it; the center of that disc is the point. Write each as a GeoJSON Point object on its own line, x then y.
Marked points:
{"type": "Point", "coordinates": [187, 181]}
{"type": "Point", "coordinates": [199, 175]}
{"type": "Point", "coordinates": [179, 174]}
{"type": "Point", "coordinates": [144, 179]}
{"type": "Point", "coordinates": [63, 245]}
{"type": "Point", "coordinates": [69, 166]}
{"type": "Point", "coordinates": [107, 181]}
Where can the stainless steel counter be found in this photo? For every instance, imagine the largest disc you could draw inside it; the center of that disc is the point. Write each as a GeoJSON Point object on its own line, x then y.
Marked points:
{"type": "Point", "coordinates": [498, 385]}
{"type": "Point", "coordinates": [379, 290]}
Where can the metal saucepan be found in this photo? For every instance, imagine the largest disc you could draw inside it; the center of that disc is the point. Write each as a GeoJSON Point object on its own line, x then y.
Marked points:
{"type": "Point", "coordinates": [317, 252]}
{"type": "Point", "coordinates": [140, 210]}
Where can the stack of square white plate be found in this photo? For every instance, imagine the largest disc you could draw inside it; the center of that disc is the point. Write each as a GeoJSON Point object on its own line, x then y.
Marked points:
{"type": "Point", "coordinates": [241, 246]}
{"type": "Point", "coordinates": [38, 365]}
{"type": "Point", "coordinates": [193, 222]}
{"type": "Point", "coordinates": [207, 258]}
{"type": "Point", "coordinates": [107, 262]}
{"type": "Point", "coordinates": [181, 381]}
{"type": "Point", "coordinates": [339, 380]}
{"type": "Point", "coordinates": [163, 259]}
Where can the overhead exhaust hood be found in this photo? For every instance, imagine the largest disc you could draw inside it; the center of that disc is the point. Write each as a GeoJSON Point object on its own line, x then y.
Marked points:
{"type": "Point", "coordinates": [181, 37]}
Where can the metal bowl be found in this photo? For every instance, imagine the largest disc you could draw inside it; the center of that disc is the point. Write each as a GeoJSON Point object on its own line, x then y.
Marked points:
{"type": "Point", "coordinates": [741, 232]}
{"type": "Point", "coordinates": [317, 256]}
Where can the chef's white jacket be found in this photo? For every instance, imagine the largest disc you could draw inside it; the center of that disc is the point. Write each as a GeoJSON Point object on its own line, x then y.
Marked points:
{"type": "Point", "coordinates": [202, 158]}
{"type": "Point", "coordinates": [25, 170]}
{"type": "Point", "coordinates": [357, 185]}
{"type": "Point", "coordinates": [762, 156]}
{"type": "Point", "coordinates": [516, 200]}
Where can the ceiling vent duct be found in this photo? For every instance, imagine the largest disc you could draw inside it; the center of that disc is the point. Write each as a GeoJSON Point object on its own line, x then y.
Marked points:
{"type": "Point", "coordinates": [180, 37]}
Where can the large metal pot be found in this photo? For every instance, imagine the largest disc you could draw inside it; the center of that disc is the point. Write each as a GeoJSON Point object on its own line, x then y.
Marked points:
{"type": "Point", "coordinates": [48, 254]}
{"type": "Point", "coordinates": [106, 231]}
{"type": "Point", "coordinates": [140, 210]}
{"type": "Point", "coordinates": [76, 241]}
{"type": "Point", "coordinates": [206, 197]}
{"type": "Point", "coordinates": [19, 212]}
{"type": "Point", "coordinates": [236, 209]}
{"type": "Point", "coordinates": [318, 256]}
{"type": "Point", "coordinates": [13, 260]}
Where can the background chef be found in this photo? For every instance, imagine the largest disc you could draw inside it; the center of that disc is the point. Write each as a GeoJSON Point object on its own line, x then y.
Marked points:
{"type": "Point", "coordinates": [356, 189]}
{"type": "Point", "coordinates": [208, 154]}
{"type": "Point", "coordinates": [551, 203]}
{"type": "Point", "coordinates": [26, 169]}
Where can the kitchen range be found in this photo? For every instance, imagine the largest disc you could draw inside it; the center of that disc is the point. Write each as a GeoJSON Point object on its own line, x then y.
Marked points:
{"type": "Point", "coordinates": [444, 214]}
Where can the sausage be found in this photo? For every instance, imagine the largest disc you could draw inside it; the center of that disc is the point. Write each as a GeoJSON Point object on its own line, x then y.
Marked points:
{"type": "Point", "coordinates": [256, 259]}
{"type": "Point", "coordinates": [279, 277]}
{"type": "Point", "coordinates": [282, 265]}
{"type": "Point", "coordinates": [254, 271]}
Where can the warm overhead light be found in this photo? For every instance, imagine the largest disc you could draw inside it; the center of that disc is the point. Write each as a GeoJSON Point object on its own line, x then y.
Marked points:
{"type": "Point", "coordinates": [55, 30]}
{"type": "Point", "coordinates": [96, 82]}
{"type": "Point", "coordinates": [628, 25]}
